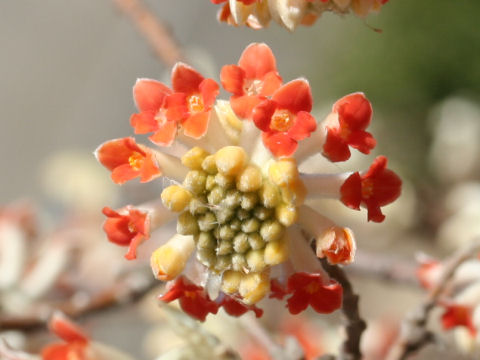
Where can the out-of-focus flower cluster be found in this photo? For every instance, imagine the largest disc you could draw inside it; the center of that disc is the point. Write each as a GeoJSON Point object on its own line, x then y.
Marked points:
{"type": "Point", "coordinates": [257, 14]}
{"type": "Point", "coordinates": [236, 192]}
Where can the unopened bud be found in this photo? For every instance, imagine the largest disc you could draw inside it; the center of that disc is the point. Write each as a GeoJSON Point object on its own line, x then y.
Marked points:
{"type": "Point", "coordinates": [194, 157]}
{"type": "Point", "coordinates": [176, 198]}
{"type": "Point", "coordinates": [169, 260]}
{"type": "Point", "coordinates": [254, 286]}
{"type": "Point", "coordinates": [230, 160]}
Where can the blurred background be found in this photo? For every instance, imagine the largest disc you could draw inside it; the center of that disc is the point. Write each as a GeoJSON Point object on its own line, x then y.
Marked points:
{"type": "Point", "coordinates": [67, 69]}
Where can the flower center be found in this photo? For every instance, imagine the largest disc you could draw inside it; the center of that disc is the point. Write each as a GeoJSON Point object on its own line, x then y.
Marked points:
{"type": "Point", "coordinates": [190, 294]}
{"type": "Point", "coordinates": [161, 117]}
{"type": "Point", "coordinates": [282, 120]}
{"type": "Point", "coordinates": [367, 188]}
{"type": "Point", "coordinates": [312, 288]}
{"type": "Point", "coordinates": [253, 87]}
{"type": "Point", "coordinates": [195, 104]}
{"type": "Point", "coordinates": [136, 160]}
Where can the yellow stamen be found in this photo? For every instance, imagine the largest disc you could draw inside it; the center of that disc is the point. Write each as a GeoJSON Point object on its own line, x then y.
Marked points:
{"type": "Point", "coordinates": [282, 120]}
{"type": "Point", "coordinates": [195, 103]}
{"type": "Point", "coordinates": [136, 160]}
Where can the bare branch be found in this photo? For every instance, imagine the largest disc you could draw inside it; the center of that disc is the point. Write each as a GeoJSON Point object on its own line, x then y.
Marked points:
{"type": "Point", "coordinates": [414, 334]}
{"type": "Point", "coordinates": [355, 325]}
{"type": "Point", "coordinates": [120, 294]}
{"type": "Point", "coordinates": [151, 28]}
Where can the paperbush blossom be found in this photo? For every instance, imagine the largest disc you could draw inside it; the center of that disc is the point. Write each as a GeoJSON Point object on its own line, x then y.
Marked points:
{"type": "Point", "coordinates": [243, 231]}
{"type": "Point", "coordinates": [258, 13]}
{"type": "Point", "coordinates": [76, 344]}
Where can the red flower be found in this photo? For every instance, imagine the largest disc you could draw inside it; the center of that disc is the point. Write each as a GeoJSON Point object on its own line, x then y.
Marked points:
{"type": "Point", "coordinates": [277, 290]}
{"type": "Point", "coordinates": [379, 186]}
{"type": "Point", "coordinates": [127, 160]}
{"type": "Point", "coordinates": [193, 299]}
{"type": "Point", "coordinates": [252, 80]}
{"type": "Point", "coordinates": [286, 118]}
{"type": "Point", "coordinates": [128, 229]}
{"type": "Point", "coordinates": [236, 308]}
{"type": "Point", "coordinates": [192, 101]}
{"type": "Point", "coordinates": [458, 315]}
{"type": "Point", "coordinates": [338, 245]}
{"type": "Point", "coordinates": [429, 273]}
{"type": "Point", "coordinates": [348, 128]}
{"type": "Point", "coordinates": [163, 110]}
{"type": "Point", "coordinates": [310, 289]}
{"type": "Point", "coordinates": [76, 341]}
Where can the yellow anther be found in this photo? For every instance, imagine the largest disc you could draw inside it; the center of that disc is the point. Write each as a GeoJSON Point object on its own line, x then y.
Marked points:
{"type": "Point", "coordinates": [286, 214]}
{"type": "Point", "coordinates": [254, 286]}
{"type": "Point", "coordinates": [276, 252]}
{"type": "Point", "coordinates": [230, 160]}
{"type": "Point", "coordinates": [136, 160]}
{"type": "Point", "coordinates": [231, 281]}
{"type": "Point", "coordinates": [169, 260]}
{"type": "Point", "coordinates": [249, 179]}
{"type": "Point", "coordinates": [283, 172]}
{"type": "Point", "coordinates": [176, 198]}
{"type": "Point", "coordinates": [195, 103]}
{"type": "Point", "coordinates": [194, 157]}
{"type": "Point", "coordinates": [282, 120]}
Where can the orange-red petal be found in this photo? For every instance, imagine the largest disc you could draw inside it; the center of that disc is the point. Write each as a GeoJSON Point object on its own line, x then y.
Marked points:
{"type": "Point", "coordinates": [294, 96]}
{"type": "Point", "coordinates": [149, 94]}
{"type": "Point", "coordinates": [279, 143]}
{"type": "Point", "coordinates": [196, 125]}
{"type": "Point", "coordinates": [232, 78]}
{"type": "Point", "coordinates": [165, 135]}
{"type": "Point", "coordinates": [185, 79]}
{"type": "Point", "coordinates": [303, 126]}
{"type": "Point", "coordinates": [257, 60]}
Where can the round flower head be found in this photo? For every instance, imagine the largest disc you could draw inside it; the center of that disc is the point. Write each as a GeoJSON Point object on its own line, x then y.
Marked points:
{"type": "Point", "coordinates": [243, 231]}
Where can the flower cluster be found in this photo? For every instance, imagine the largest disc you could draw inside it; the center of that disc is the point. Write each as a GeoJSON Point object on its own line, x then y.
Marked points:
{"type": "Point", "coordinates": [237, 193]}
{"type": "Point", "coordinates": [257, 14]}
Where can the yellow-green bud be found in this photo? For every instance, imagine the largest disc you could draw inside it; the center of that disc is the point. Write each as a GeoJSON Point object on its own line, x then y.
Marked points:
{"type": "Point", "coordinates": [194, 157]}
{"type": "Point", "coordinates": [271, 230]}
{"type": "Point", "coordinates": [230, 160]}
{"type": "Point", "coordinates": [240, 243]}
{"type": "Point", "coordinates": [187, 224]}
{"type": "Point", "coordinates": [195, 181]}
{"type": "Point", "coordinates": [176, 198]}
{"type": "Point", "coordinates": [209, 165]}
{"type": "Point", "coordinates": [250, 179]}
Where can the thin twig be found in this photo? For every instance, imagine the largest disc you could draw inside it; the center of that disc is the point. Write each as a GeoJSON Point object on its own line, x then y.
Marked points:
{"type": "Point", "coordinates": [152, 29]}
{"type": "Point", "coordinates": [121, 294]}
{"type": "Point", "coordinates": [355, 325]}
{"type": "Point", "coordinates": [414, 334]}
{"type": "Point", "coordinates": [384, 267]}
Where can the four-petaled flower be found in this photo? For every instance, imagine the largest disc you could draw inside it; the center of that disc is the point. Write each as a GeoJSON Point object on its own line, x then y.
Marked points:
{"type": "Point", "coordinates": [458, 315]}
{"type": "Point", "coordinates": [127, 227]}
{"type": "Point", "coordinates": [75, 344]}
{"type": "Point", "coordinates": [346, 127]}
{"type": "Point", "coordinates": [163, 110]}
{"type": "Point", "coordinates": [312, 289]}
{"type": "Point", "coordinates": [193, 299]}
{"type": "Point", "coordinates": [128, 160]}
{"type": "Point", "coordinates": [379, 186]}
{"type": "Point", "coordinates": [285, 119]}
{"type": "Point", "coordinates": [252, 80]}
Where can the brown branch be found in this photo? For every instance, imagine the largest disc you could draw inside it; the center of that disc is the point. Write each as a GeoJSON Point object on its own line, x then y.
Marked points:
{"type": "Point", "coordinates": [151, 28]}
{"type": "Point", "coordinates": [414, 334]}
{"type": "Point", "coordinates": [119, 295]}
{"type": "Point", "coordinates": [355, 325]}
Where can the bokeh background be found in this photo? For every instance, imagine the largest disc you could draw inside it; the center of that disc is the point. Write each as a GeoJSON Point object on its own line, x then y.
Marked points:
{"type": "Point", "coordinates": [67, 69]}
